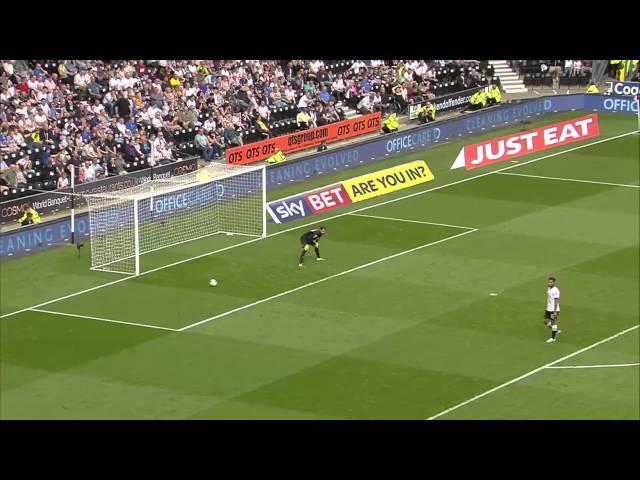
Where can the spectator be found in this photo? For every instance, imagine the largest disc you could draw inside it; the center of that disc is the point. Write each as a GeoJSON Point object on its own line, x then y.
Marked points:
{"type": "Point", "coordinates": [231, 137]}
{"type": "Point", "coordinates": [357, 65]}
{"type": "Point", "coordinates": [202, 143]}
{"type": "Point", "coordinates": [302, 119]}
{"type": "Point", "coordinates": [400, 96]}
{"type": "Point", "coordinates": [305, 100]}
{"type": "Point", "coordinates": [89, 172]}
{"type": "Point", "coordinates": [25, 165]}
{"type": "Point", "coordinates": [568, 68]}
{"type": "Point", "coordinates": [131, 126]}
{"type": "Point", "coordinates": [365, 105]}
{"type": "Point", "coordinates": [117, 165]}
{"type": "Point", "coordinates": [99, 170]}
{"type": "Point", "coordinates": [324, 77]}
{"type": "Point", "coordinates": [130, 153]}
{"type": "Point", "coordinates": [122, 107]}
{"type": "Point", "coordinates": [555, 70]}
{"type": "Point", "coordinates": [21, 180]}
{"type": "Point", "coordinates": [94, 89]}
{"type": "Point", "coordinates": [81, 81]}
{"type": "Point", "coordinates": [323, 116]}
{"type": "Point", "coordinates": [324, 95]}
{"type": "Point", "coordinates": [216, 143]}
{"type": "Point", "coordinates": [289, 94]}
{"type": "Point", "coordinates": [209, 124]}
{"type": "Point", "coordinates": [122, 129]}
{"type": "Point", "coordinates": [376, 102]}
{"type": "Point", "coordinates": [264, 112]}
{"type": "Point", "coordinates": [157, 122]}
{"type": "Point", "coordinates": [63, 181]}
{"type": "Point", "coordinates": [10, 177]}
{"type": "Point", "coordinates": [352, 95]}
{"type": "Point", "coordinates": [277, 97]}
{"type": "Point", "coordinates": [334, 114]}
{"type": "Point", "coordinates": [577, 68]}
{"type": "Point", "coordinates": [339, 87]}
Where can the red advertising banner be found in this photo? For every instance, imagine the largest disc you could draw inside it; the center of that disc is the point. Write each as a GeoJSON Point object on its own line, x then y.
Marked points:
{"type": "Point", "coordinates": [327, 199]}
{"type": "Point", "coordinates": [524, 143]}
{"type": "Point", "coordinates": [255, 152]}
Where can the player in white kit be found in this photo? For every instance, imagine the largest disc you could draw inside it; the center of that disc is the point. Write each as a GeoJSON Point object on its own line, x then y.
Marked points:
{"type": "Point", "coordinates": [553, 309]}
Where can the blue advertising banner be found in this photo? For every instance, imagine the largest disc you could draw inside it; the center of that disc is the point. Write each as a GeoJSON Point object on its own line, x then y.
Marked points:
{"type": "Point", "coordinates": [38, 237]}
{"type": "Point", "coordinates": [611, 104]}
{"type": "Point", "coordinates": [624, 88]}
{"type": "Point", "coordinates": [289, 209]}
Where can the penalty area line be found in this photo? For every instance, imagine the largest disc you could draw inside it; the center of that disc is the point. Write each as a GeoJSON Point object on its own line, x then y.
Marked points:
{"type": "Point", "coordinates": [145, 325]}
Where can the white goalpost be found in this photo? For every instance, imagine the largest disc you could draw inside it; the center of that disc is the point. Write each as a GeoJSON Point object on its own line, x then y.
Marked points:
{"type": "Point", "coordinates": [166, 212]}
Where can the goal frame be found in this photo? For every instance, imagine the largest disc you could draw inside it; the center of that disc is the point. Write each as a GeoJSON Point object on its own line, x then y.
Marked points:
{"type": "Point", "coordinates": [137, 198]}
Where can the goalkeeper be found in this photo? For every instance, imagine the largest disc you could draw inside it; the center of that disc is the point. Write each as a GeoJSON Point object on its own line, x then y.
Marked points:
{"type": "Point", "coordinates": [311, 238]}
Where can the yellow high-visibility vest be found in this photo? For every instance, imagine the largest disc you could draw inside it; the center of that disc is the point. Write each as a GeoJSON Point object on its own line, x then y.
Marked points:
{"type": "Point", "coordinates": [276, 157]}
{"type": "Point", "coordinates": [34, 216]}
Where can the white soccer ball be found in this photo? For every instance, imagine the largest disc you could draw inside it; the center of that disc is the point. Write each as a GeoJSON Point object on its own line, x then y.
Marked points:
{"type": "Point", "coordinates": [213, 282]}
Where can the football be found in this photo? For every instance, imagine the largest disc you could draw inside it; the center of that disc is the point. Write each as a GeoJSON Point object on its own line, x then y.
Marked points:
{"type": "Point", "coordinates": [213, 282]}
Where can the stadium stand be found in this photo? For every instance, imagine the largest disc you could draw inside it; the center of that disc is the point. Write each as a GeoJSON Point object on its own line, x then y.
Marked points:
{"type": "Point", "coordinates": [113, 117]}
{"type": "Point", "coordinates": [539, 73]}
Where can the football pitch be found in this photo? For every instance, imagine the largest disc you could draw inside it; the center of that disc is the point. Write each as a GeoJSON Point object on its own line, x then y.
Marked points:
{"type": "Point", "coordinates": [429, 305]}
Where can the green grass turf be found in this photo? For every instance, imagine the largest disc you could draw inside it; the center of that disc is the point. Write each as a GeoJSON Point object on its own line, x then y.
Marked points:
{"type": "Point", "coordinates": [405, 338]}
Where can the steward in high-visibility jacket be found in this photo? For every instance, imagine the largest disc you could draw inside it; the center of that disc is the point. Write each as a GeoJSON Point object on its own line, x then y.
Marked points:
{"type": "Point", "coordinates": [593, 88]}
{"type": "Point", "coordinates": [29, 217]}
{"type": "Point", "coordinates": [263, 129]}
{"type": "Point", "coordinates": [630, 67]}
{"type": "Point", "coordinates": [495, 95]}
{"type": "Point", "coordinates": [391, 124]}
{"type": "Point", "coordinates": [621, 72]}
{"type": "Point", "coordinates": [276, 157]}
{"type": "Point", "coordinates": [302, 119]}
{"type": "Point", "coordinates": [427, 113]}
{"type": "Point", "coordinates": [478, 100]}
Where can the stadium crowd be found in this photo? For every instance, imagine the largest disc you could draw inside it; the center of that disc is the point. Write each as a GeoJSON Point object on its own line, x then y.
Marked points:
{"type": "Point", "coordinates": [105, 116]}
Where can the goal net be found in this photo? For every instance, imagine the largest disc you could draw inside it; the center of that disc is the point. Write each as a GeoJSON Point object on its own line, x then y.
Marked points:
{"type": "Point", "coordinates": [162, 213]}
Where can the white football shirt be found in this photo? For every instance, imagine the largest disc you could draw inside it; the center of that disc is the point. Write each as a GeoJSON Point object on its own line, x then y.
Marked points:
{"type": "Point", "coordinates": [552, 294]}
